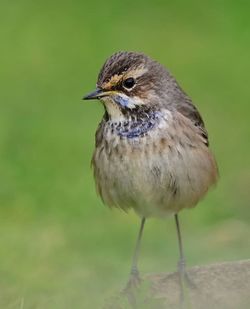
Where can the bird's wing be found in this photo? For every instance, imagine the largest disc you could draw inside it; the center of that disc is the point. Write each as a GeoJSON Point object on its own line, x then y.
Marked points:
{"type": "Point", "coordinates": [188, 110]}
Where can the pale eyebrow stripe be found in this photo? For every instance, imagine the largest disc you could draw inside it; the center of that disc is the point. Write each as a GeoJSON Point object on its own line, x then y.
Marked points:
{"type": "Point", "coordinates": [115, 79]}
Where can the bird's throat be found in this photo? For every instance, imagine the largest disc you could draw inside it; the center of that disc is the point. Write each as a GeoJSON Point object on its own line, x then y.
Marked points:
{"type": "Point", "coordinates": [135, 126]}
{"type": "Point", "coordinates": [119, 105]}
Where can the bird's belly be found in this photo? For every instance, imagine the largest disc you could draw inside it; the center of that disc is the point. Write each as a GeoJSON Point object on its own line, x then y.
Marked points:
{"type": "Point", "coordinates": [152, 178]}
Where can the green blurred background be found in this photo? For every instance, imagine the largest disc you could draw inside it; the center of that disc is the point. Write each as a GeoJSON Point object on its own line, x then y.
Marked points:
{"type": "Point", "coordinates": [59, 246]}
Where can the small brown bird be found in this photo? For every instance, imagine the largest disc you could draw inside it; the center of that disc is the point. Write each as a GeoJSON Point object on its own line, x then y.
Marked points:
{"type": "Point", "coordinates": [152, 151]}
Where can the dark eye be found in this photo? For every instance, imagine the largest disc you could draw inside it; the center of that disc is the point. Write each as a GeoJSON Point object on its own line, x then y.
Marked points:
{"type": "Point", "coordinates": [129, 83]}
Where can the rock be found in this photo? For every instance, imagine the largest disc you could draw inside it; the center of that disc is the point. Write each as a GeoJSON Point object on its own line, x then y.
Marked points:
{"type": "Point", "coordinates": [222, 285]}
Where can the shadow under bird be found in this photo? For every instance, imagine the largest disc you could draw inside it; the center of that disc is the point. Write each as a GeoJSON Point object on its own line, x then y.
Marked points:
{"type": "Point", "coordinates": [152, 152]}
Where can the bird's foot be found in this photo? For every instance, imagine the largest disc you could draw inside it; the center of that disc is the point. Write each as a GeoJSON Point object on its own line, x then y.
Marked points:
{"type": "Point", "coordinates": [133, 282]}
{"type": "Point", "coordinates": [189, 282]}
{"type": "Point", "coordinates": [184, 277]}
{"type": "Point", "coordinates": [186, 284]}
{"type": "Point", "coordinates": [132, 287]}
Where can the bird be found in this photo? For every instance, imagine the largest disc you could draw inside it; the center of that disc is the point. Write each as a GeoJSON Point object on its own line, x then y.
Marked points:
{"type": "Point", "coordinates": [152, 151]}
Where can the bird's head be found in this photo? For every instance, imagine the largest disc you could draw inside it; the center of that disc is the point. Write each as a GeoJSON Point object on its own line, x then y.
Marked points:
{"type": "Point", "coordinates": [130, 81]}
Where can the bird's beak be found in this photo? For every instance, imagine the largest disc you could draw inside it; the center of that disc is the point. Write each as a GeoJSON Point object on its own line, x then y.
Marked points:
{"type": "Point", "coordinates": [96, 94]}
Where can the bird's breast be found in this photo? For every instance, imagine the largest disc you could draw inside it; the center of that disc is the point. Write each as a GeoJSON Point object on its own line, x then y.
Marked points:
{"type": "Point", "coordinates": [151, 165]}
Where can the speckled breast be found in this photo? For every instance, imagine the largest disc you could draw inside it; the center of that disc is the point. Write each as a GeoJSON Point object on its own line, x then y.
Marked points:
{"type": "Point", "coordinates": [150, 166]}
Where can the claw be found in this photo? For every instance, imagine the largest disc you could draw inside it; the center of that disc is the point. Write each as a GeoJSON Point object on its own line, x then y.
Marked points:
{"type": "Point", "coordinates": [132, 287]}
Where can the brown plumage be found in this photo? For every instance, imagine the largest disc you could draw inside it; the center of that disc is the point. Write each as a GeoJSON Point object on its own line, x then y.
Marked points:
{"type": "Point", "coordinates": [151, 150]}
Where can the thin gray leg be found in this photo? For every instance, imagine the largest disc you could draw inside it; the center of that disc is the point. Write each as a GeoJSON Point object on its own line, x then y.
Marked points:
{"type": "Point", "coordinates": [134, 267]}
{"type": "Point", "coordinates": [182, 262]}
{"type": "Point", "coordinates": [184, 279]}
{"type": "Point", "coordinates": [134, 278]}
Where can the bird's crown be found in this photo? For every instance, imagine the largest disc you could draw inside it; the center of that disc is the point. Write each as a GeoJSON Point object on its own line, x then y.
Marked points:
{"type": "Point", "coordinates": [131, 73]}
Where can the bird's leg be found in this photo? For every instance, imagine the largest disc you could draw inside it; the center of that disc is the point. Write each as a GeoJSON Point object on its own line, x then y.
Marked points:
{"type": "Point", "coordinates": [183, 276]}
{"type": "Point", "coordinates": [134, 278]}
{"type": "Point", "coordinates": [134, 273]}
{"type": "Point", "coordinates": [182, 262]}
